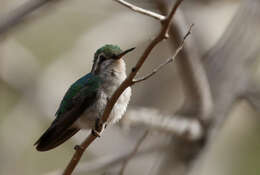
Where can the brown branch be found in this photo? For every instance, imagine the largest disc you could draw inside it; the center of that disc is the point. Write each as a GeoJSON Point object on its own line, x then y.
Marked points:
{"type": "Point", "coordinates": [169, 60]}
{"type": "Point", "coordinates": [141, 10]}
{"type": "Point", "coordinates": [126, 83]}
{"type": "Point", "coordinates": [112, 160]}
{"type": "Point", "coordinates": [15, 16]}
{"type": "Point", "coordinates": [78, 153]}
{"type": "Point", "coordinates": [133, 153]}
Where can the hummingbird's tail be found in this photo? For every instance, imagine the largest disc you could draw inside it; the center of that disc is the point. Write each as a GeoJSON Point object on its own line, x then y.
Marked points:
{"type": "Point", "coordinates": [51, 138]}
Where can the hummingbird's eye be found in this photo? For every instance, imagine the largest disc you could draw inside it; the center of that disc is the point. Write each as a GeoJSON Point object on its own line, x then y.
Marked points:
{"type": "Point", "coordinates": [114, 56]}
{"type": "Point", "coordinates": [102, 58]}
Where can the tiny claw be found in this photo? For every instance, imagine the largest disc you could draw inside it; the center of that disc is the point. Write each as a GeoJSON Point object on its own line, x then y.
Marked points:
{"type": "Point", "coordinates": [98, 125]}
{"type": "Point", "coordinates": [95, 133]}
{"type": "Point", "coordinates": [166, 36]}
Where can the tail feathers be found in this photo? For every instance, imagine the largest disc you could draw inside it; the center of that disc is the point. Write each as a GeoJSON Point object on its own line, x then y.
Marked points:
{"type": "Point", "coordinates": [52, 138]}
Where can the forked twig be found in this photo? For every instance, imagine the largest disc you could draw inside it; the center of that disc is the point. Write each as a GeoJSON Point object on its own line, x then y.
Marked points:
{"type": "Point", "coordinates": [169, 60]}
{"type": "Point", "coordinates": [133, 153]}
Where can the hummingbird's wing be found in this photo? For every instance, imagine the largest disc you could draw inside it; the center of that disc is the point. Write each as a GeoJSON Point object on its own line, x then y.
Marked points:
{"type": "Point", "coordinates": [80, 96]}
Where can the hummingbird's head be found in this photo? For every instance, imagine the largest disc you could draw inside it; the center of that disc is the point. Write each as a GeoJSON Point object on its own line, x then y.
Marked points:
{"type": "Point", "coordinates": [108, 57]}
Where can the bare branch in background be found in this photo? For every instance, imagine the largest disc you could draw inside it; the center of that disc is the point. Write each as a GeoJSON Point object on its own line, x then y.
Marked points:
{"type": "Point", "coordinates": [105, 162]}
{"type": "Point", "coordinates": [194, 79]}
{"type": "Point", "coordinates": [15, 16]}
{"type": "Point", "coordinates": [226, 74]}
{"type": "Point", "coordinates": [227, 68]}
{"type": "Point", "coordinates": [179, 126]}
{"type": "Point", "coordinates": [127, 82]}
{"type": "Point", "coordinates": [252, 95]}
{"type": "Point", "coordinates": [227, 62]}
{"type": "Point", "coordinates": [141, 10]}
{"type": "Point", "coordinates": [133, 153]}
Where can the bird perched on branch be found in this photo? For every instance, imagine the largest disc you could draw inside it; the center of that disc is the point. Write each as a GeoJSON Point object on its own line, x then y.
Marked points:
{"type": "Point", "coordinates": [86, 99]}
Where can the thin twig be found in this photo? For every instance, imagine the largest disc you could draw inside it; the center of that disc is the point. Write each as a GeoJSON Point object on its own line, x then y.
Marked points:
{"type": "Point", "coordinates": [133, 153]}
{"type": "Point", "coordinates": [108, 162]}
{"type": "Point", "coordinates": [198, 96]}
{"type": "Point", "coordinates": [112, 160]}
{"type": "Point", "coordinates": [169, 60]}
{"type": "Point", "coordinates": [126, 83]}
{"type": "Point", "coordinates": [141, 10]}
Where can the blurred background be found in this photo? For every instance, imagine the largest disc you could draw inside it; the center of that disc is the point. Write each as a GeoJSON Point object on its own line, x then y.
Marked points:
{"type": "Point", "coordinates": [53, 46]}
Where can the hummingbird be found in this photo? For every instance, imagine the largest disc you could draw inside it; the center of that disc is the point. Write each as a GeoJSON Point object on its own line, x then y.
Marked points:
{"type": "Point", "coordinates": [84, 102]}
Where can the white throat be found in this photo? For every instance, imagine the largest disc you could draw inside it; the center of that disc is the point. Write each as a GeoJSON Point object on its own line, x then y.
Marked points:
{"type": "Point", "coordinates": [112, 76]}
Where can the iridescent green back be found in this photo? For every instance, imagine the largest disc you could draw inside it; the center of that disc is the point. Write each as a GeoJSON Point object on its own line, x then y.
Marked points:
{"type": "Point", "coordinates": [89, 80]}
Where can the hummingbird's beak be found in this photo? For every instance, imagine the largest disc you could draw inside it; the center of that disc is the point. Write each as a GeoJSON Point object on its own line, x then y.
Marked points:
{"type": "Point", "coordinates": [124, 52]}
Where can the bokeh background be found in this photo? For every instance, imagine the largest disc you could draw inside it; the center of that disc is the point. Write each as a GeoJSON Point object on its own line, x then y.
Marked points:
{"type": "Point", "coordinates": [54, 46]}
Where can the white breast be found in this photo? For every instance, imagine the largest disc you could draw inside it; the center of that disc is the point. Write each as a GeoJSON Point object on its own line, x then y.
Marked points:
{"type": "Point", "coordinates": [120, 107]}
{"type": "Point", "coordinates": [109, 85]}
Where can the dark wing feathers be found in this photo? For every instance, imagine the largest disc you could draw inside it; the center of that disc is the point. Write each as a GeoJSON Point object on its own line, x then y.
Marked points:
{"type": "Point", "coordinates": [61, 128]}
{"type": "Point", "coordinates": [67, 102]}
{"type": "Point", "coordinates": [51, 139]}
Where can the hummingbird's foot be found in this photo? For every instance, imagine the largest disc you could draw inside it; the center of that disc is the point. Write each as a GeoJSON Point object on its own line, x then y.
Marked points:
{"type": "Point", "coordinates": [95, 133]}
{"type": "Point", "coordinates": [99, 127]}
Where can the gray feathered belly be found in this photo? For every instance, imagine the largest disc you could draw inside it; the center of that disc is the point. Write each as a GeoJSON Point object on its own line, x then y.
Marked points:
{"type": "Point", "coordinates": [88, 118]}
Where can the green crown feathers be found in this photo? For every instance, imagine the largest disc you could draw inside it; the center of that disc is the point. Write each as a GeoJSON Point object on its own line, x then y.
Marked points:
{"type": "Point", "coordinates": [109, 50]}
